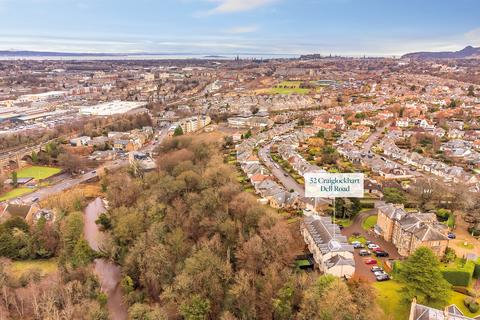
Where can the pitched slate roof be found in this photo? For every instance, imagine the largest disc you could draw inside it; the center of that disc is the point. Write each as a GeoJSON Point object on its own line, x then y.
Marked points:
{"type": "Point", "coordinates": [323, 231]}
{"type": "Point", "coordinates": [424, 226]}
{"type": "Point", "coordinates": [422, 312]}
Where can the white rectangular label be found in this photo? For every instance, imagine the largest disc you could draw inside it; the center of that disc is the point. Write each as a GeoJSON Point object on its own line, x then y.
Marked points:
{"type": "Point", "coordinates": [334, 185]}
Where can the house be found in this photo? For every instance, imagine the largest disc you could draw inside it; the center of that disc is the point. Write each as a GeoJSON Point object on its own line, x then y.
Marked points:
{"type": "Point", "coordinates": [331, 251]}
{"type": "Point", "coordinates": [80, 141]}
{"type": "Point", "coordinates": [372, 187]}
{"type": "Point", "coordinates": [21, 210]}
{"type": "Point", "coordinates": [409, 231]}
{"type": "Point", "coordinates": [122, 145]}
{"type": "Point", "coordinates": [425, 124]}
{"type": "Point", "coordinates": [99, 142]}
{"type": "Point", "coordinates": [283, 199]}
{"type": "Point", "coordinates": [451, 312]}
{"type": "Point", "coordinates": [402, 122]}
{"type": "Point", "coordinates": [455, 134]}
{"type": "Point", "coordinates": [144, 161]}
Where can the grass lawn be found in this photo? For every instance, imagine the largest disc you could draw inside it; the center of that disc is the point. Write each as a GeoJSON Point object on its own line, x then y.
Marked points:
{"type": "Point", "coordinates": [302, 263]}
{"type": "Point", "coordinates": [46, 266]}
{"type": "Point", "coordinates": [360, 239]}
{"type": "Point", "coordinates": [15, 193]}
{"type": "Point", "coordinates": [466, 245]}
{"type": "Point", "coordinates": [37, 172]}
{"type": "Point", "coordinates": [390, 300]}
{"type": "Point", "coordinates": [344, 222]}
{"type": "Point", "coordinates": [457, 299]}
{"type": "Point", "coordinates": [369, 223]}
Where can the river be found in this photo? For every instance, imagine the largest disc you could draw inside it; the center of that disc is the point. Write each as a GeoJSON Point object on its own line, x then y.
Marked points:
{"type": "Point", "coordinates": [108, 273]}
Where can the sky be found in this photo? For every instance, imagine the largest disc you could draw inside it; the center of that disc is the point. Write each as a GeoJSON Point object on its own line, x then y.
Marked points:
{"type": "Point", "coordinates": [339, 27]}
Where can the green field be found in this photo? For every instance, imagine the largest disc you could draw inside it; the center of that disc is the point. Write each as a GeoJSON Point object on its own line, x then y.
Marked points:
{"type": "Point", "coordinates": [45, 266]}
{"type": "Point", "coordinates": [15, 193]}
{"type": "Point", "coordinates": [390, 300]}
{"type": "Point", "coordinates": [369, 223]}
{"type": "Point", "coordinates": [289, 87]}
{"type": "Point", "coordinates": [37, 172]}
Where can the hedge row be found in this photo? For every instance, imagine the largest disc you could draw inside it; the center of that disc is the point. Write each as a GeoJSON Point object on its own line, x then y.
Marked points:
{"type": "Point", "coordinates": [460, 276]}
{"type": "Point", "coordinates": [476, 271]}
{"type": "Point", "coordinates": [367, 205]}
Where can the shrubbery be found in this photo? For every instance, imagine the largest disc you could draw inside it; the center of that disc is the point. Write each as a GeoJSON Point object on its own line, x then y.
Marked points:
{"type": "Point", "coordinates": [471, 304]}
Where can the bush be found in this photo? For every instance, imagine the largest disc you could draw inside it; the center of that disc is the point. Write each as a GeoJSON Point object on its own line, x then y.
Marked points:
{"type": "Point", "coordinates": [474, 231]}
{"type": "Point", "coordinates": [443, 214]}
{"type": "Point", "coordinates": [449, 255]}
{"type": "Point", "coordinates": [476, 271]}
{"type": "Point", "coordinates": [471, 304]}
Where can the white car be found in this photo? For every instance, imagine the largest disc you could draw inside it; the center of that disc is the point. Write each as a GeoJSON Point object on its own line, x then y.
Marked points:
{"type": "Point", "coordinates": [373, 246]}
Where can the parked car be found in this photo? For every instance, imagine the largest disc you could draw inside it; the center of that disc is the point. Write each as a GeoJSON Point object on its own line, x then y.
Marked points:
{"type": "Point", "coordinates": [381, 254]}
{"type": "Point", "coordinates": [285, 174]}
{"type": "Point", "coordinates": [451, 235]}
{"type": "Point", "coordinates": [376, 268]}
{"type": "Point", "coordinates": [358, 246]}
{"type": "Point", "coordinates": [378, 273]}
{"type": "Point", "coordinates": [377, 249]}
{"type": "Point", "coordinates": [364, 253]}
{"type": "Point", "coordinates": [382, 277]}
{"type": "Point", "coordinates": [373, 246]}
{"type": "Point", "coordinates": [370, 261]}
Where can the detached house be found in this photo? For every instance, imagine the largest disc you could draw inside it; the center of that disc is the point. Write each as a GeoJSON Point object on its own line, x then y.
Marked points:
{"type": "Point", "coordinates": [409, 231]}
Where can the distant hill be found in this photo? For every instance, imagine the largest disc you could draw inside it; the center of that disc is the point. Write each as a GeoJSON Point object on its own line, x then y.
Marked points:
{"type": "Point", "coordinates": [466, 53]}
{"type": "Point", "coordinates": [24, 53]}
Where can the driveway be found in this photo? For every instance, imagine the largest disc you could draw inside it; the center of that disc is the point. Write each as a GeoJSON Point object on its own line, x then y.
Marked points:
{"type": "Point", "coordinates": [362, 270]}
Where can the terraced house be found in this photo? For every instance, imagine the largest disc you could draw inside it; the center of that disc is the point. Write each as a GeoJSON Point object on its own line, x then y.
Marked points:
{"type": "Point", "coordinates": [331, 251]}
{"type": "Point", "coordinates": [409, 231]}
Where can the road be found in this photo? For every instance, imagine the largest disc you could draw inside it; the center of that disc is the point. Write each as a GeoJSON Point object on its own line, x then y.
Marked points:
{"type": "Point", "coordinates": [367, 147]}
{"type": "Point", "coordinates": [288, 182]}
{"type": "Point", "coordinates": [71, 182]}
{"type": "Point", "coordinates": [285, 179]}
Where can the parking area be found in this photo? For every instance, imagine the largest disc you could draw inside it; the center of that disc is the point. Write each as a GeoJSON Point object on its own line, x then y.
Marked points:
{"type": "Point", "coordinates": [363, 270]}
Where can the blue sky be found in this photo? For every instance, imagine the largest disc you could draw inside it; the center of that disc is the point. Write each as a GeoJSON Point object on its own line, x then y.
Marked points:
{"type": "Point", "coordinates": [347, 27]}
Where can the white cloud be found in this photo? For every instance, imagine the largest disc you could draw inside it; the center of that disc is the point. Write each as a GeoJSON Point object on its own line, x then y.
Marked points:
{"type": "Point", "coordinates": [242, 29]}
{"type": "Point", "coordinates": [473, 36]}
{"type": "Point", "coordinates": [230, 6]}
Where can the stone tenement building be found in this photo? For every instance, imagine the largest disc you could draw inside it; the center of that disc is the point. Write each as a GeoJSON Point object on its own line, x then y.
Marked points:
{"type": "Point", "coordinates": [409, 231]}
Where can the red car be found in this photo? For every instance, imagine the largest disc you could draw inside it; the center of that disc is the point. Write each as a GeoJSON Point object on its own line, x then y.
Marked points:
{"type": "Point", "coordinates": [370, 261]}
{"type": "Point", "coordinates": [377, 249]}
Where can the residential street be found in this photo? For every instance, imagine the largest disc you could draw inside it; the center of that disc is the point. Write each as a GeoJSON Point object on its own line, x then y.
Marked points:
{"type": "Point", "coordinates": [287, 181]}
